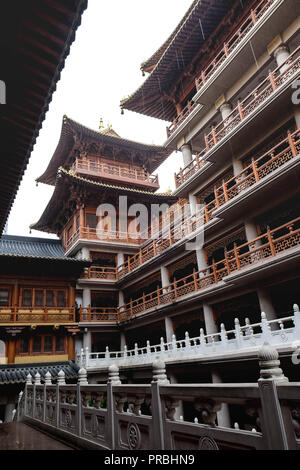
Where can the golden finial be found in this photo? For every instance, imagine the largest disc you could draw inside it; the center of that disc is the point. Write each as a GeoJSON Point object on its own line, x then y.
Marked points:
{"type": "Point", "coordinates": [101, 126]}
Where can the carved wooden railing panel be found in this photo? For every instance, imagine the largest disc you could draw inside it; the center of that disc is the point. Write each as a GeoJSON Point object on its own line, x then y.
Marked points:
{"type": "Point", "coordinates": [88, 233]}
{"type": "Point", "coordinates": [99, 314]}
{"type": "Point", "coordinates": [114, 170]}
{"type": "Point", "coordinates": [271, 244]}
{"type": "Point", "coordinates": [244, 108]}
{"type": "Point", "coordinates": [98, 272]}
{"type": "Point", "coordinates": [233, 42]}
{"type": "Point", "coordinates": [37, 314]}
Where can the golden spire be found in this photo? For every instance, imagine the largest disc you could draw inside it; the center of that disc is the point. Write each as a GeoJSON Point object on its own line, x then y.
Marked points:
{"type": "Point", "coordinates": [101, 126]}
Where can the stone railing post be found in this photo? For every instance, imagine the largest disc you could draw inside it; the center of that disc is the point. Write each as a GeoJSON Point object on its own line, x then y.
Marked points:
{"type": "Point", "coordinates": [224, 337]}
{"type": "Point", "coordinates": [61, 378]}
{"type": "Point", "coordinates": [238, 333]}
{"type": "Point", "coordinates": [28, 382]}
{"type": "Point", "coordinates": [82, 377]}
{"type": "Point", "coordinates": [159, 378]}
{"type": "Point", "coordinates": [266, 329]}
{"type": "Point", "coordinates": [47, 382]}
{"type": "Point", "coordinates": [296, 322]}
{"type": "Point", "coordinates": [82, 380]}
{"type": "Point", "coordinates": [113, 380]}
{"type": "Point", "coordinates": [202, 341]}
{"type": "Point", "coordinates": [19, 406]}
{"type": "Point", "coordinates": [272, 421]}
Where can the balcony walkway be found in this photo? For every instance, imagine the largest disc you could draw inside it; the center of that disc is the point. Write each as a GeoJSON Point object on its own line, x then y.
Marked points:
{"type": "Point", "coordinates": [20, 436]}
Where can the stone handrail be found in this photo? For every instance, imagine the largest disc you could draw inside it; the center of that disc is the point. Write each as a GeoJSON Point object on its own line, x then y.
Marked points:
{"type": "Point", "coordinates": [243, 337]}
{"type": "Point", "coordinates": [145, 416]}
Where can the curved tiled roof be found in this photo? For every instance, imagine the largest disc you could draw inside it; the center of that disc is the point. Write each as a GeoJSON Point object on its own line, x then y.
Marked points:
{"type": "Point", "coordinates": [31, 246]}
{"type": "Point", "coordinates": [72, 130]}
{"type": "Point", "coordinates": [17, 373]}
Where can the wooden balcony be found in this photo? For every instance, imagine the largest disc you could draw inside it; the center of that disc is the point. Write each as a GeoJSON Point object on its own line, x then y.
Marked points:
{"type": "Point", "coordinates": [116, 172]}
{"type": "Point", "coordinates": [230, 45]}
{"type": "Point", "coordinates": [87, 233]}
{"type": "Point", "coordinates": [99, 314]}
{"type": "Point", "coordinates": [261, 93]}
{"type": "Point", "coordinates": [37, 315]}
{"type": "Point", "coordinates": [226, 50]}
{"type": "Point", "coordinates": [270, 244]}
{"type": "Point", "coordinates": [277, 156]}
{"type": "Point", "coordinates": [97, 272]}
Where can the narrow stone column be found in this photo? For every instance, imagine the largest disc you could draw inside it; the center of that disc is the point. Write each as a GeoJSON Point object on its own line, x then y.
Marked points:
{"type": "Point", "coordinates": [122, 340]}
{"type": "Point", "coordinates": [169, 329]}
{"type": "Point", "coordinates": [223, 415]}
{"type": "Point", "coordinates": [165, 280]}
{"type": "Point", "coordinates": [237, 166]}
{"type": "Point", "coordinates": [193, 204]}
{"type": "Point", "coordinates": [87, 341]}
{"type": "Point", "coordinates": [225, 110]}
{"type": "Point", "coordinates": [281, 54]}
{"type": "Point", "coordinates": [186, 154]}
{"type": "Point", "coordinates": [201, 259]}
{"type": "Point", "coordinates": [266, 304]}
{"type": "Point", "coordinates": [251, 232]}
{"type": "Point", "coordinates": [210, 324]}
{"type": "Point", "coordinates": [120, 259]}
{"type": "Point", "coordinates": [86, 297]}
{"type": "Point", "coordinates": [121, 298]}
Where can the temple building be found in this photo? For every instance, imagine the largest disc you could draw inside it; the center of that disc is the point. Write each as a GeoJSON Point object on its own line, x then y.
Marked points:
{"type": "Point", "coordinates": [199, 277]}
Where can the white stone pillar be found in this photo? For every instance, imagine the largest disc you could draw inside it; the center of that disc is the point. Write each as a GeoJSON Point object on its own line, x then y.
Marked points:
{"type": "Point", "coordinates": [87, 340]}
{"type": "Point", "coordinates": [251, 232]}
{"type": "Point", "coordinates": [165, 280]}
{"type": "Point", "coordinates": [121, 298]}
{"type": "Point", "coordinates": [86, 297]}
{"type": "Point", "coordinates": [85, 253]}
{"type": "Point", "coordinates": [223, 415]}
{"type": "Point", "coordinates": [265, 303]}
{"type": "Point", "coordinates": [193, 204]}
{"type": "Point", "coordinates": [8, 416]}
{"type": "Point", "coordinates": [179, 409]}
{"type": "Point", "coordinates": [237, 166]}
{"type": "Point", "coordinates": [169, 329]}
{"type": "Point", "coordinates": [186, 154]}
{"type": "Point", "coordinates": [210, 324]}
{"type": "Point", "coordinates": [122, 340]}
{"type": "Point", "coordinates": [201, 259]}
{"type": "Point", "coordinates": [120, 259]}
{"type": "Point", "coordinates": [281, 54]}
{"type": "Point", "coordinates": [225, 110]}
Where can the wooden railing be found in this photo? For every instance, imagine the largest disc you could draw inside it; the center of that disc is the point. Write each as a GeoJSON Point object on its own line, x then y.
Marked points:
{"type": "Point", "coordinates": [97, 272]}
{"type": "Point", "coordinates": [88, 233]}
{"type": "Point", "coordinates": [37, 314]}
{"type": "Point", "coordinates": [99, 314]}
{"type": "Point", "coordinates": [241, 112]}
{"type": "Point", "coordinates": [168, 237]}
{"type": "Point", "coordinates": [274, 80]}
{"type": "Point", "coordinates": [270, 244]}
{"type": "Point", "coordinates": [114, 170]}
{"type": "Point", "coordinates": [284, 151]}
{"type": "Point", "coordinates": [230, 45]}
{"type": "Point", "coordinates": [181, 117]}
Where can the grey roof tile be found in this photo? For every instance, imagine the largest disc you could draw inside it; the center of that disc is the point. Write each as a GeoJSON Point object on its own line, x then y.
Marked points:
{"type": "Point", "coordinates": [31, 246]}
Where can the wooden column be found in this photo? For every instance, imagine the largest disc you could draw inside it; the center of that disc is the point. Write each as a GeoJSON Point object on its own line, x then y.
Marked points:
{"type": "Point", "coordinates": [11, 350]}
{"type": "Point", "coordinates": [71, 348]}
{"type": "Point", "coordinates": [71, 296]}
{"type": "Point", "coordinates": [15, 299]}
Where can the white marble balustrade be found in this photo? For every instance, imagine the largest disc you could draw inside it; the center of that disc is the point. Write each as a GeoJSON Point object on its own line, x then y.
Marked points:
{"type": "Point", "coordinates": [246, 338]}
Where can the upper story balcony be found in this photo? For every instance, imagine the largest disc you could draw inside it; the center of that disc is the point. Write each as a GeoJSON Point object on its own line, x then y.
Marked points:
{"type": "Point", "coordinates": [116, 172]}
{"type": "Point", "coordinates": [37, 315]}
{"type": "Point", "coordinates": [93, 234]}
{"type": "Point", "coordinates": [258, 250]}
{"type": "Point", "coordinates": [241, 113]}
{"type": "Point", "coordinates": [234, 58]}
{"type": "Point", "coordinates": [266, 164]}
{"type": "Point", "coordinates": [106, 273]}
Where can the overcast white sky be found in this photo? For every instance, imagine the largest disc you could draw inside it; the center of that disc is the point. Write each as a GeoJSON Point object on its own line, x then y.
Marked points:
{"type": "Point", "coordinates": [103, 67]}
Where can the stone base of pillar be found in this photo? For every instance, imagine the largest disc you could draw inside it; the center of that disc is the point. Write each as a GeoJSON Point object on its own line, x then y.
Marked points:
{"type": "Point", "coordinates": [223, 415]}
